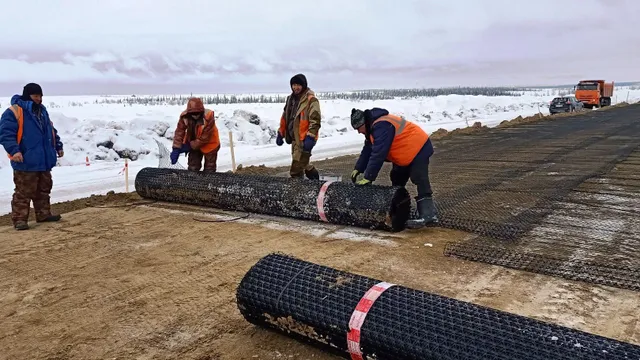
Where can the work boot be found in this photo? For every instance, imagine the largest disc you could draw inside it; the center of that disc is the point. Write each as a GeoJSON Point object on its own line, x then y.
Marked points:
{"type": "Point", "coordinates": [21, 225]}
{"type": "Point", "coordinates": [312, 174]}
{"type": "Point", "coordinates": [426, 213]}
{"type": "Point", "coordinates": [50, 218]}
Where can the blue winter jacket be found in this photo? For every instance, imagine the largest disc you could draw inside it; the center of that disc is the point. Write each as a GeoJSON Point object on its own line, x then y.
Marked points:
{"type": "Point", "coordinates": [373, 156]}
{"type": "Point", "coordinates": [37, 144]}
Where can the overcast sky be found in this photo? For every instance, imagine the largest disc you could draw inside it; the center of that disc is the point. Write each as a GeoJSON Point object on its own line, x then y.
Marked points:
{"type": "Point", "coordinates": [167, 46]}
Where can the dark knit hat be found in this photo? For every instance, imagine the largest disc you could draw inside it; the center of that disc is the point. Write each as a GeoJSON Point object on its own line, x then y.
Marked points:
{"type": "Point", "coordinates": [299, 79]}
{"type": "Point", "coordinates": [31, 89]}
{"type": "Point", "coordinates": [357, 118]}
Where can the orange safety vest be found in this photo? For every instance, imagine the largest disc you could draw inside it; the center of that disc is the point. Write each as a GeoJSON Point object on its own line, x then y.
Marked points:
{"type": "Point", "coordinates": [407, 142]}
{"type": "Point", "coordinates": [215, 139]}
{"type": "Point", "coordinates": [19, 114]}
{"type": "Point", "coordinates": [304, 121]}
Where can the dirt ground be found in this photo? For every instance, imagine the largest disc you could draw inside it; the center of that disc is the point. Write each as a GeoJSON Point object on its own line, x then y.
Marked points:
{"type": "Point", "coordinates": [158, 281]}
{"type": "Point", "coordinates": [124, 278]}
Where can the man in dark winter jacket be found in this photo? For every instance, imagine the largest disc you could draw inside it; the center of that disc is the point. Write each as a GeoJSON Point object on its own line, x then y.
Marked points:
{"type": "Point", "coordinates": [403, 143]}
{"type": "Point", "coordinates": [33, 145]}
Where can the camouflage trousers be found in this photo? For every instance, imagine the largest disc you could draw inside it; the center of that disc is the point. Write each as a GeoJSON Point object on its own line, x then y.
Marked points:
{"type": "Point", "coordinates": [300, 163]}
{"type": "Point", "coordinates": [194, 162]}
{"type": "Point", "coordinates": [31, 186]}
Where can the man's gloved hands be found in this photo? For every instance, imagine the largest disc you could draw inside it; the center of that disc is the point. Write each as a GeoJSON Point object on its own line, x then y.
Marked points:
{"type": "Point", "coordinates": [175, 153]}
{"type": "Point", "coordinates": [174, 156]}
{"type": "Point", "coordinates": [279, 140]}
{"type": "Point", "coordinates": [364, 182]}
{"type": "Point", "coordinates": [308, 143]}
{"type": "Point", "coordinates": [354, 176]}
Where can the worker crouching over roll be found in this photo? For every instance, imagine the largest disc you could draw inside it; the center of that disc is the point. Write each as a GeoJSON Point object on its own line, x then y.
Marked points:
{"type": "Point", "coordinates": [197, 135]}
{"type": "Point", "coordinates": [403, 143]}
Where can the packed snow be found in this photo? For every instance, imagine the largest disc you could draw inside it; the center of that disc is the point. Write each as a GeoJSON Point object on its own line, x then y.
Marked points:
{"type": "Point", "coordinates": [107, 133]}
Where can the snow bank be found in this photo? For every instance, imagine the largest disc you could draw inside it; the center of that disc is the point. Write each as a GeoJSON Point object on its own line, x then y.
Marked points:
{"type": "Point", "coordinates": [110, 132]}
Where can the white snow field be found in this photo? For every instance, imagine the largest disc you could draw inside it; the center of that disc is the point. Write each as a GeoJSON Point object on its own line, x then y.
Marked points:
{"type": "Point", "coordinates": [106, 132]}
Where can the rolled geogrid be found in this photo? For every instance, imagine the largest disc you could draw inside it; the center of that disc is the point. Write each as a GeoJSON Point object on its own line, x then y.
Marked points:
{"type": "Point", "coordinates": [374, 207]}
{"type": "Point", "coordinates": [316, 304]}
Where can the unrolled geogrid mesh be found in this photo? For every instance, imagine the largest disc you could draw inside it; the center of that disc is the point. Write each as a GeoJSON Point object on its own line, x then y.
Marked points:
{"type": "Point", "coordinates": [314, 303]}
{"type": "Point", "coordinates": [164, 159]}
{"type": "Point", "coordinates": [592, 235]}
{"type": "Point", "coordinates": [374, 207]}
{"type": "Point", "coordinates": [506, 184]}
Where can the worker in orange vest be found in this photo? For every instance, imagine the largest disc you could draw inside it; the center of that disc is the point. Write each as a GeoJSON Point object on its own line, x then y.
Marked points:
{"type": "Point", "coordinates": [403, 143]}
{"type": "Point", "coordinates": [197, 135]}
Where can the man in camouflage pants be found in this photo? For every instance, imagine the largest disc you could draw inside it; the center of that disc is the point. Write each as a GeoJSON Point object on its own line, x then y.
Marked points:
{"type": "Point", "coordinates": [33, 145]}
{"type": "Point", "coordinates": [300, 126]}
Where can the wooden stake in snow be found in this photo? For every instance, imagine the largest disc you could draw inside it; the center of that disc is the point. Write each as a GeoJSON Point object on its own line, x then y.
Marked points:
{"type": "Point", "coordinates": [233, 156]}
{"type": "Point", "coordinates": [126, 175]}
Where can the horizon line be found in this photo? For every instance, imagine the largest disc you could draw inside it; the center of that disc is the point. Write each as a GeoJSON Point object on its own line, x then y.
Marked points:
{"type": "Point", "coordinates": [515, 87]}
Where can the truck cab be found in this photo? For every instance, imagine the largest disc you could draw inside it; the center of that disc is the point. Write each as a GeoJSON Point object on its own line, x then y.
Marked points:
{"type": "Point", "coordinates": [594, 93]}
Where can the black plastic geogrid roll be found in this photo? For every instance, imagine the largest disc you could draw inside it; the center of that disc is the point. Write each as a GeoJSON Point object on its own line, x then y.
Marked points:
{"type": "Point", "coordinates": [314, 303]}
{"type": "Point", "coordinates": [374, 206]}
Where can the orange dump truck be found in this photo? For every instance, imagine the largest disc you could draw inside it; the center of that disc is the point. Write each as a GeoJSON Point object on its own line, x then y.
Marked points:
{"type": "Point", "coordinates": [594, 93]}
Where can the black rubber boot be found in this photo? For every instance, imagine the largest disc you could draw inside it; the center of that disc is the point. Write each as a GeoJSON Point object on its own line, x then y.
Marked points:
{"type": "Point", "coordinates": [312, 174]}
{"type": "Point", "coordinates": [50, 218]}
{"type": "Point", "coordinates": [426, 213]}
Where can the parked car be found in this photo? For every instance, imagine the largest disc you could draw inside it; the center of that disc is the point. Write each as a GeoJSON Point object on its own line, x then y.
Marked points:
{"type": "Point", "coordinates": [562, 104]}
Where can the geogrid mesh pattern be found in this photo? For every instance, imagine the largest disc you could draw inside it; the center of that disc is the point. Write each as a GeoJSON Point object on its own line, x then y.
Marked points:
{"type": "Point", "coordinates": [164, 159]}
{"type": "Point", "coordinates": [592, 235]}
{"type": "Point", "coordinates": [562, 190]}
{"type": "Point", "coordinates": [314, 303]}
{"type": "Point", "coordinates": [374, 207]}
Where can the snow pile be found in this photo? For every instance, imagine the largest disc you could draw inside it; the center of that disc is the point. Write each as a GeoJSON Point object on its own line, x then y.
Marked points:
{"type": "Point", "coordinates": [101, 139]}
{"type": "Point", "coordinates": [247, 128]}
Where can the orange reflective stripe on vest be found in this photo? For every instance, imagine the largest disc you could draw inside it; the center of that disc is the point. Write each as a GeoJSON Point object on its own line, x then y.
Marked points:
{"type": "Point", "coordinates": [19, 114]}
{"type": "Point", "coordinates": [407, 142]}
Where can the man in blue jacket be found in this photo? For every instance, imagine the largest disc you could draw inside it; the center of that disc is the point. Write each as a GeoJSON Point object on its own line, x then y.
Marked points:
{"type": "Point", "coordinates": [33, 145]}
{"type": "Point", "coordinates": [392, 138]}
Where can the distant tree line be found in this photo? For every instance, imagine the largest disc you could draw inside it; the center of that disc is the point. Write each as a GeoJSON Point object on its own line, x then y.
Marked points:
{"type": "Point", "coordinates": [382, 94]}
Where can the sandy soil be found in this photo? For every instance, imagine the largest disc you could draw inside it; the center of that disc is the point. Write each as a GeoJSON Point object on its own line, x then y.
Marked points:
{"type": "Point", "coordinates": [158, 281]}
{"type": "Point", "coordinates": [122, 278]}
